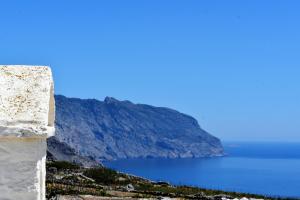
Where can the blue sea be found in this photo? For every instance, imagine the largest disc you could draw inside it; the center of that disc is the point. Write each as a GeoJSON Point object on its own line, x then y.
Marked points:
{"type": "Point", "coordinates": [262, 168]}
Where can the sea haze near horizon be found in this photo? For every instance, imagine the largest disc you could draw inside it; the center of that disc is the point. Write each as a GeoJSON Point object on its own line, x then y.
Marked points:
{"type": "Point", "coordinates": [266, 168]}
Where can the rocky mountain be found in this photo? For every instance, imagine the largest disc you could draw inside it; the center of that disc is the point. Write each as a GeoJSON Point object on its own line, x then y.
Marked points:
{"type": "Point", "coordinates": [57, 150]}
{"type": "Point", "coordinates": [113, 129]}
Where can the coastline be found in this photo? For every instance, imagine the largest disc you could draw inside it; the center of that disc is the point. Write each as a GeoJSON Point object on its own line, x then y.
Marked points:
{"type": "Point", "coordinates": [69, 181]}
{"type": "Point", "coordinates": [249, 169]}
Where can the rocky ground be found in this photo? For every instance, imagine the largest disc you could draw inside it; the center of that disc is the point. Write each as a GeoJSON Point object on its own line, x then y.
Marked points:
{"type": "Point", "coordinates": [90, 197]}
{"type": "Point", "coordinates": [66, 181]}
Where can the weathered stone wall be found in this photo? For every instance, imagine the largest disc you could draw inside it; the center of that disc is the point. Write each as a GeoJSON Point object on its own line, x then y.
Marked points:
{"type": "Point", "coordinates": [26, 101]}
{"type": "Point", "coordinates": [22, 174]}
{"type": "Point", "coordinates": [26, 120]}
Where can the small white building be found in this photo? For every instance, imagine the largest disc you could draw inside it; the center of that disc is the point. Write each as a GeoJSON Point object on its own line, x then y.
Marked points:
{"type": "Point", "coordinates": [26, 120]}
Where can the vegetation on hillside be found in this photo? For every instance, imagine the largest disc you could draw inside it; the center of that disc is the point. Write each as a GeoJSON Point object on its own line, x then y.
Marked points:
{"type": "Point", "coordinates": [70, 179]}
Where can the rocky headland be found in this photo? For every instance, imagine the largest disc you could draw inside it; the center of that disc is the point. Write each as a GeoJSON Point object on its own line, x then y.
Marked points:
{"type": "Point", "coordinates": [95, 130]}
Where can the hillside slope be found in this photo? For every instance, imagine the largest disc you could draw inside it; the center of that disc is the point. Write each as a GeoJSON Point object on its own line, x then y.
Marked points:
{"type": "Point", "coordinates": [113, 129]}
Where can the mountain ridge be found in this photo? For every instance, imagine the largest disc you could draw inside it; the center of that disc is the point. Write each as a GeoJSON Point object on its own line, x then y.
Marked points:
{"type": "Point", "coordinates": [113, 129]}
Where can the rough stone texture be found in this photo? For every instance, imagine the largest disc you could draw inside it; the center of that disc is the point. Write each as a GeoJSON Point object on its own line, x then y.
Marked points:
{"type": "Point", "coordinates": [26, 101]}
{"type": "Point", "coordinates": [60, 151]}
{"type": "Point", "coordinates": [26, 120]}
{"type": "Point", "coordinates": [120, 129]}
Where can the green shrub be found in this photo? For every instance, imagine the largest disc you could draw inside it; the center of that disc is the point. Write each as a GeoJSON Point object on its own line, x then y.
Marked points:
{"type": "Point", "coordinates": [102, 175]}
{"type": "Point", "coordinates": [63, 165]}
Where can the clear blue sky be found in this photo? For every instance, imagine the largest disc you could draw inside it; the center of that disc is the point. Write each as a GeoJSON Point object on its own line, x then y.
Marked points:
{"type": "Point", "coordinates": [234, 65]}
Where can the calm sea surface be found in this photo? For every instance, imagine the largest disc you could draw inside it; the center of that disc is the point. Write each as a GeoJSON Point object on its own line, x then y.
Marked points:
{"type": "Point", "coordinates": [261, 168]}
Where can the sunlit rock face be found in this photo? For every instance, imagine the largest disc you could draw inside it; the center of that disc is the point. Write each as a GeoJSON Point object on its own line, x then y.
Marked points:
{"type": "Point", "coordinates": [26, 120]}
{"type": "Point", "coordinates": [113, 129]}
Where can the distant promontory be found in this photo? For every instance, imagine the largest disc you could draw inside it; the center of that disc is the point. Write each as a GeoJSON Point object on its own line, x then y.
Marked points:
{"type": "Point", "coordinates": [112, 129]}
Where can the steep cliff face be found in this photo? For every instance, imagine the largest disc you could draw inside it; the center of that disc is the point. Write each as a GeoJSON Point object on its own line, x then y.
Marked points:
{"type": "Point", "coordinates": [120, 129]}
{"type": "Point", "coordinates": [60, 151]}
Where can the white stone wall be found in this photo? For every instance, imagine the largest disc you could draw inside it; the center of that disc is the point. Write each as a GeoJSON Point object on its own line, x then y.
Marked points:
{"type": "Point", "coordinates": [22, 174]}
{"type": "Point", "coordinates": [26, 101]}
{"type": "Point", "coordinates": [26, 120]}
